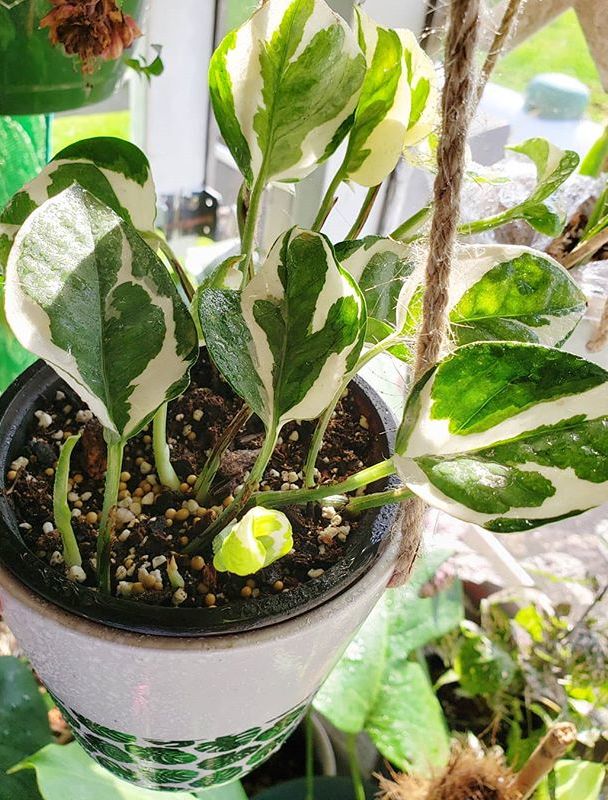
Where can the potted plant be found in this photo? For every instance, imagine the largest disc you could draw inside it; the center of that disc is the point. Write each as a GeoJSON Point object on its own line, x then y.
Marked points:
{"type": "Point", "coordinates": [56, 56]}
{"type": "Point", "coordinates": [191, 536]}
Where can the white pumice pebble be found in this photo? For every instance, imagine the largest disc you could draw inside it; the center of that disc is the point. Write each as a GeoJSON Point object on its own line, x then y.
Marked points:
{"type": "Point", "coordinates": [147, 499]}
{"type": "Point", "coordinates": [152, 479]}
{"type": "Point", "coordinates": [19, 463]}
{"type": "Point", "coordinates": [336, 520]}
{"type": "Point", "coordinates": [84, 416]}
{"type": "Point", "coordinates": [135, 508]}
{"type": "Point", "coordinates": [73, 496]}
{"type": "Point", "coordinates": [86, 496]}
{"type": "Point", "coordinates": [121, 572]}
{"type": "Point", "coordinates": [273, 473]}
{"type": "Point", "coordinates": [67, 409]}
{"type": "Point", "coordinates": [56, 558]}
{"type": "Point", "coordinates": [123, 515]}
{"type": "Point", "coordinates": [315, 573]}
{"type": "Point", "coordinates": [293, 486]}
{"type": "Point", "coordinates": [158, 561]}
{"type": "Point", "coordinates": [284, 487]}
{"type": "Point", "coordinates": [57, 435]}
{"type": "Point", "coordinates": [363, 422]}
{"type": "Point", "coordinates": [76, 512]}
{"type": "Point", "coordinates": [26, 526]}
{"type": "Point", "coordinates": [285, 475]}
{"type": "Point", "coordinates": [77, 574]}
{"type": "Point", "coordinates": [124, 588]}
{"type": "Point", "coordinates": [327, 512]}
{"type": "Point", "coordinates": [192, 506]}
{"type": "Point", "coordinates": [59, 395]}
{"type": "Point", "coordinates": [292, 476]}
{"type": "Point", "coordinates": [44, 419]}
{"type": "Point", "coordinates": [197, 414]}
{"type": "Point", "coordinates": [294, 436]}
{"type": "Point", "coordinates": [122, 537]}
{"type": "Point", "coordinates": [48, 527]}
{"type": "Point", "coordinates": [179, 595]}
{"type": "Point", "coordinates": [179, 417]}
{"type": "Point", "coordinates": [145, 468]}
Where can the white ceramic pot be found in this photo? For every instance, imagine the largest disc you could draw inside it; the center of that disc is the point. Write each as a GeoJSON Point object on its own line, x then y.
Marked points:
{"type": "Point", "coordinates": [185, 713]}
{"type": "Point", "coordinates": [166, 698]}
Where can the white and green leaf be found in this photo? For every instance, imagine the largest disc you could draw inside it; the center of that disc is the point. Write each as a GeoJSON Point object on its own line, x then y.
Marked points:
{"type": "Point", "coordinates": [553, 166]}
{"type": "Point", "coordinates": [502, 293]}
{"type": "Point", "coordinates": [86, 293]}
{"type": "Point", "coordinates": [396, 107]}
{"type": "Point", "coordinates": [114, 170]}
{"type": "Point", "coordinates": [284, 86]}
{"type": "Point", "coordinates": [259, 539]}
{"type": "Point", "coordinates": [288, 339]}
{"type": "Point", "coordinates": [507, 435]}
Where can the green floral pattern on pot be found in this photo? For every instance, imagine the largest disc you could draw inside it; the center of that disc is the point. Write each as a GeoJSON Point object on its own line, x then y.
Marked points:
{"type": "Point", "coordinates": [181, 765]}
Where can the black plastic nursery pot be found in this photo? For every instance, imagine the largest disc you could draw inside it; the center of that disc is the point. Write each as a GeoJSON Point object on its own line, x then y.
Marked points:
{"type": "Point", "coordinates": [175, 698]}
{"type": "Point", "coordinates": [17, 407]}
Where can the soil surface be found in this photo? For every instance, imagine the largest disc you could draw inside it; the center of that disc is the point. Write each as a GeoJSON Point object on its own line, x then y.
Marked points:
{"type": "Point", "coordinates": [152, 523]}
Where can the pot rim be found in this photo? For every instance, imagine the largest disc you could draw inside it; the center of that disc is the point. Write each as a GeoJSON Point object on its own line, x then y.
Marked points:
{"type": "Point", "coordinates": [17, 405]}
{"type": "Point", "coordinates": [380, 572]}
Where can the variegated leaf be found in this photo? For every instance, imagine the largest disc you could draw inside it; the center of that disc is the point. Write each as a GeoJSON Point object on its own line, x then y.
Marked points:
{"type": "Point", "coordinates": [553, 165]}
{"type": "Point", "coordinates": [508, 435]}
{"type": "Point", "coordinates": [283, 87]}
{"type": "Point", "coordinates": [503, 293]}
{"type": "Point", "coordinates": [380, 266]}
{"type": "Point", "coordinates": [422, 78]}
{"type": "Point", "coordinates": [85, 293]}
{"type": "Point", "coordinates": [257, 540]}
{"type": "Point", "coordinates": [396, 104]}
{"type": "Point", "coordinates": [286, 341]}
{"type": "Point", "coordinates": [115, 171]}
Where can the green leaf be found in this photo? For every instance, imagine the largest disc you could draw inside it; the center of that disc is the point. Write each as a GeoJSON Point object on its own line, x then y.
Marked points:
{"type": "Point", "coordinates": [482, 666]}
{"type": "Point", "coordinates": [380, 267]}
{"type": "Point", "coordinates": [24, 726]}
{"type": "Point", "coordinates": [503, 293]}
{"type": "Point", "coordinates": [283, 85]}
{"type": "Point", "coordinates": [553, 166]}
{"type": "Point", "coordinates": [578, 780]}
{"type": "Point", "coordinates": [594, 161]}
{"type": "Point", "coordinates": [230, 791]}
{"type": "Point", "coordinates": [507, 435]}
{"type": "Point", "coordinates": [286, 342]}
{"type": "Point", "coordinates": [397, 102]}
{"type": "Point", "coordinates": [84, 292]}
{"type": "Point", "coordinates": [408, 726]}
{"type": "Point", "coordinates": [368, 689]}
{"type": "Point", "coordinates": [115, 171]}
{"type": "Point", "coordinates": [62, 768]}
{"type": "Point", "coordinates": [259, 539]}
{"type": "Point", "coordinates": [150, 69]}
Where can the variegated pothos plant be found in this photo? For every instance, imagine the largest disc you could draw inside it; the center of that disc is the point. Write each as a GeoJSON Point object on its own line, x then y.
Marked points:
{"type": "Point", "coordinates": [507, 431]}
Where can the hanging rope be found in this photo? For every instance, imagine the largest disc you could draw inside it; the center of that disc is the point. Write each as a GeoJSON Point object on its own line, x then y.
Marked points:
{"type": "Point", "coordinates": [456, 110]}
{"type": "Point", "coordinates": [496, 48]}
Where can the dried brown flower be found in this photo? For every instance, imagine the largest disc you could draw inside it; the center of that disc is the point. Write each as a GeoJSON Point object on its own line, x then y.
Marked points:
{"type": "Point", "coordinates": [90, 29]}
{"type": "Point", "coordinates": [468, 776]}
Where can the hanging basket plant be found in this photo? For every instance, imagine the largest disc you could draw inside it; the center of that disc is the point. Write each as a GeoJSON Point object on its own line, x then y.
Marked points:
{"type": "Point", "coordinates": [57, 55]}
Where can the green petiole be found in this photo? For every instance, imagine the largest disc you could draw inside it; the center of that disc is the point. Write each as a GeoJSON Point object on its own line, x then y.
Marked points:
{"type": "Point", "coordinates": [61, 509]}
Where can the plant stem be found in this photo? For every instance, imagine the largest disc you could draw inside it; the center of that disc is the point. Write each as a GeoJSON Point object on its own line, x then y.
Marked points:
{"type": "Point", "coordinates": [551, 748]}
{"type": "Point", "coordinates": [104, 538]}
{"type": "Point", "coordinates": [368, 204]}
{"type": "Point", "coordinates": [162, 454]}
{"type": "Point", "coordinates": [328, 201]}
{"type": "Point", "coordinates": [249, 227]}
{"type": "Point", "coordinates": [184, 278]}
{"type": "Point", "coordinates": [487, 224]}
{"type": "Point", "coordinates": [310, 757]}
{"type": "Point", "coordinates": [353, 763]}
{"type": "Point", "coordinates": [412, 224]}
{"type": "Point", "coordinates": [240, 501]}
{"type": "Point", "coordinates": [61, 509]}
{"type": "Point", "coordinates": [324, 420]}
{"type": "Point", "coordinates": [209, 470]}
{"type": "Point", "coordinates": [301, 496]}
{"type": "Point", "coordinates": [357, 504]}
